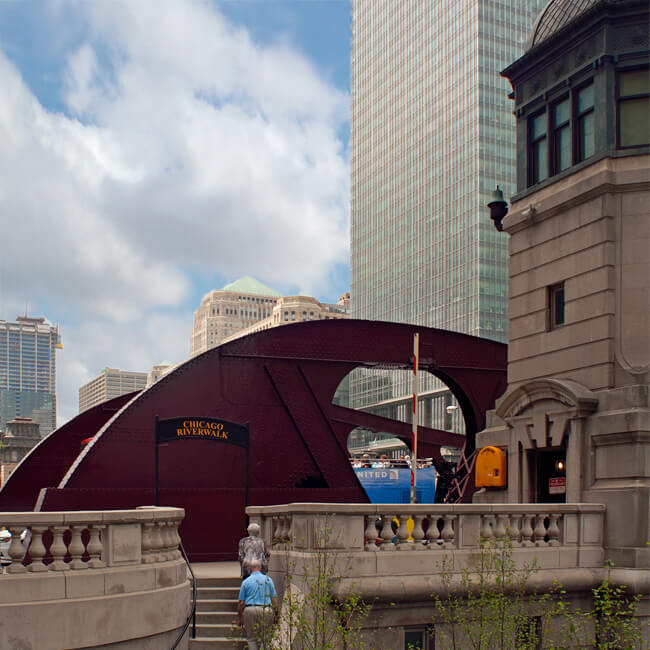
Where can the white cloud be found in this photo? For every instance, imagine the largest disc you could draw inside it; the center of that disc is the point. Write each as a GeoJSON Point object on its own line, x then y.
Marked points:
{"type": "Point", "coordinates": [187, 148]}
{"type": "Point", "coordinates": [95, 344]}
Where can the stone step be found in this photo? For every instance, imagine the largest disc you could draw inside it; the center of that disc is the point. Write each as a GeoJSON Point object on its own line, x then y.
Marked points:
{"type": "Point", "coordinates": [219, 582]}
{"type": "Point", "coordinates": [216, 617]}
{"type": "Point", "coordinates": [217, 643]}
{"type": "Point", "coordinates": [216, 605]}
{"type": "Point", "coordinates": [222, 593]}
{"type": "Point", "coordinates": [217, 630]}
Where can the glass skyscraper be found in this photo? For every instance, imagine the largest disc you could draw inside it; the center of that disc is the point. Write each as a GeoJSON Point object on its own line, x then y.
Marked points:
{"type": "Point", "coordinates": [432, 134]}
{"type": "Point", "coordinates": [28, 371]}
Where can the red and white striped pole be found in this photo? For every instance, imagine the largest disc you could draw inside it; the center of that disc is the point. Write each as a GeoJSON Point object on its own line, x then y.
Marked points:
{"type": "Point", "coordinates": [414, 450]}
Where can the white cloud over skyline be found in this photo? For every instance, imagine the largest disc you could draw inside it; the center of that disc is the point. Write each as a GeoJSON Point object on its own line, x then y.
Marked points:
{"type": "Point", "coordinates": [186, 149]}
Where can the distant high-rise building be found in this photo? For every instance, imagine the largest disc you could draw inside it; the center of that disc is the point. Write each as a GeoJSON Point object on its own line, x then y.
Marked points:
{"type": "Point", "coordinates": [109, 384]}
{"type": "Point", "coordinates": [224, 312]}
{"type": "Point", "coordinates": [158, 371]}
{"type": "Point", "coordinates": [294, 309]}
{"type": "Point", "coordinates": [432, 134]}
{"type": "Point", "coordinates": [247, 306]}
{"type": "Point", "coordinates": [28, 371]}
{"type": "Point", "coordinates": [20, 436]}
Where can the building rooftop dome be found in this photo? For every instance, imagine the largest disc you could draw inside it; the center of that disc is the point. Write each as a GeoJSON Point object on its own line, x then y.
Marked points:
{"type": "Point", "coordinates": [556, 15]}
{"type": "Point", "coordinates": [250, 285]}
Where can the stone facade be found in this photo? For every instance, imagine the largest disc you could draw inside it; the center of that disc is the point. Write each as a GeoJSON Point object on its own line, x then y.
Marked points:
{"type": "Point", "coordinates": [20, 436]}
{"type": "Point", "coordinates": [575, 420]}
{"type": "Point", "coordinates": [109, 384]}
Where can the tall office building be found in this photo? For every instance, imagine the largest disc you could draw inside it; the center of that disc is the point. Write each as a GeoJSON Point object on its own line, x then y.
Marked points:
{"type": "Point", "coordinates": [247, 306]}
{"type": "Point", "coordinates": [432, 134]}
{"type": "Point", "coordinates": [110, 383]}
{"type": "Point", "coordinates": [28, 371]}
{"type": "Point", "coordinates": [224, 312]}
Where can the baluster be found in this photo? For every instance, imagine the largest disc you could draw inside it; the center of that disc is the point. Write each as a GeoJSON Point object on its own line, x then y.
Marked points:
{"type": "Point", "coordinates": [501, 527]}
{"type": "Point", "coordinates": [287, 530]}
{"type": "Point", "coordinates": [448, 535]}
{"type": "Point", "coordinates": [147, 542]}
{"type": "Point", "coordinates": [58, 549]}
{"type": "Point", "coordinates": [95, 546]}
{"type": "Point", "coordinates": [486, 528]}
{"type": "Point", "coordinates": [156, 543]}
{"type": "Point", "coordinates": [526, 530]}
{"type": "Point", "coordinates": [403, 534]}
{"type": "Point", "coordinates": [176, 540]}
{"type": "Point", "coordinates": [554, 530]}
{"type": "Point", "coordinates": [77, 548]}
{"type": "Point", "coordinates": [387, 533]}
{"type": "Point", "coordinates": [37, 549]}
{"type": "Point", "coordinates": [514, 529]}
{"type": "Point", "coordinates": [418, 533]}
{"type": "Point", "coordinates": [165, 531]}
{"type": "Point", "coordinates": [433, 534]}
{"type": "Point", "coordinates": [280, 531]}
{"type": "Point", "coordinates": [370, 533]}
{"type": "Point", "coordinates": [16, 551]}
{"type": "Point", "coordinates": [540, 530]}
{"type": "Point", "coordinates": [275, 531]}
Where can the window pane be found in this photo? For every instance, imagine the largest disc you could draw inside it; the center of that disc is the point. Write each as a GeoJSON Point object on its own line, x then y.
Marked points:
{"type": "Point", "coordinates": [540, 161]}
{"type": "Point", "coordinates": [635, 82]}
{"type": "Point", "coordinates": [634, 122]}
{"type": "Point", "coordinates": [562, 112]}
{"type": "Point", "coordinates": [586, 135]}
{"type": "Point", "coordinates": [413, 640]}
{"type": "Point", "coordinates": [585, 98]}
{"type": "Point", "coordinates": [563, 137]}
{"type": "Point", "coordinates": [558, 306]}
{"type": "Point", "coordinates": [539, 126]}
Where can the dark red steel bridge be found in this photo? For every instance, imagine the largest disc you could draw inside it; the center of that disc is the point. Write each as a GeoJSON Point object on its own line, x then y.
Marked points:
{"type": "Point", "coordinates": [281, 381]}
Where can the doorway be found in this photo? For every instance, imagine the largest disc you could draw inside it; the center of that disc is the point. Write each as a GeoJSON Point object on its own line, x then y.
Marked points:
{"type": "Point", "coordinates": [551, 476]}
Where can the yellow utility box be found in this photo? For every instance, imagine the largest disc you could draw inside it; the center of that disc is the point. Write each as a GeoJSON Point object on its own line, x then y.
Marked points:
{"type": "Point", "coordinates": [491, 468]}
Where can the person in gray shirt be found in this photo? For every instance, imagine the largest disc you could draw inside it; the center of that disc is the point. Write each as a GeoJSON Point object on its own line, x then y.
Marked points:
{"type": "Point", "coordinates": [252, 548]}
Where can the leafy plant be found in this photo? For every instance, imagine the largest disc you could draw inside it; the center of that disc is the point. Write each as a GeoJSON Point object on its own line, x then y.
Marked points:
{"type": "Point", "coordinates": [610, 625]}
{"type": "Point", "coordinates": [487, 607]}
{"type": "Point", "coordinates": [311, 617]}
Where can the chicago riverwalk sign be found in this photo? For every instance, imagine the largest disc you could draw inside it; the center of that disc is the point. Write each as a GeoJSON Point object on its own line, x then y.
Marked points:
{"type": "Point", "coordinates": [200, 428]}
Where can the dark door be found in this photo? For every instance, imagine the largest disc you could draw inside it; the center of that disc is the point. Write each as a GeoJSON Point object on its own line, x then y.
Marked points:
{"type": "Point", "coordinates": [551, 476]}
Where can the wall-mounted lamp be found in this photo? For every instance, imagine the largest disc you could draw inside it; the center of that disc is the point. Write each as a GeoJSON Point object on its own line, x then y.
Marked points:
{"type": "Point", "coordinates": [498, 208]}
{"type": "Point", "coordinates": [559, 465]}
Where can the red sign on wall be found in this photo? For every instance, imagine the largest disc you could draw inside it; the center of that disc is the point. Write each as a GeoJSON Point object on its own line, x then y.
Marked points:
{"type": "Point", "coordinates": [557, 485]}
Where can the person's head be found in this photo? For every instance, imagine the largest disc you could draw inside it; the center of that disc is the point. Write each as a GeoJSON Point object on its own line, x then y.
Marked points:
{"type": "Point", "coordinates": [253, 530]}
{"type": "Point", "coordinates": [255, 565]}
{"type": "Point", "coordinates": [383, 457]}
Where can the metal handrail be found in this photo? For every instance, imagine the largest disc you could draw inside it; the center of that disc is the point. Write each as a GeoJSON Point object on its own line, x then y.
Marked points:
{"type": "Point", "coordinates": [192, 615]}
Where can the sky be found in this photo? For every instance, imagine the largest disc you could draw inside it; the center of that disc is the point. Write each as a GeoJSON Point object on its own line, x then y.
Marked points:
{"type": "Point", "coordinates": [153, 151]}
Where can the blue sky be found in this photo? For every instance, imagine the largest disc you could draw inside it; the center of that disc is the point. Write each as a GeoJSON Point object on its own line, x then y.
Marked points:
{"type": "Point", "coordinates": [153, 151]}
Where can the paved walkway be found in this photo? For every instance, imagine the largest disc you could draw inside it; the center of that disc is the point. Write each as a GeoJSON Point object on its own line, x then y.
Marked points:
{"type": "Point", "coordinates": [216, 569]}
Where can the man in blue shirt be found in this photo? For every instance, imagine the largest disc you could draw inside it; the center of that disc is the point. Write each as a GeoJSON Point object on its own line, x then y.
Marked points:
{"type": "Point", "coordinates": [257, 607]}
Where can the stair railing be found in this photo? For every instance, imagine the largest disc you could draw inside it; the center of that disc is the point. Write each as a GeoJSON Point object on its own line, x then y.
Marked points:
{"type": "Point", "coordinates": [192, 614]}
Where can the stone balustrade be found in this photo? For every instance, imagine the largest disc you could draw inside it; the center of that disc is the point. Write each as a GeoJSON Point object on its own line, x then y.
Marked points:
{"type": "Point", "coordinates": [386, 549]}
{"type": "Point", "coordinates": [93, 578]}
{"type": "Point", "coordinates": [60, 541]}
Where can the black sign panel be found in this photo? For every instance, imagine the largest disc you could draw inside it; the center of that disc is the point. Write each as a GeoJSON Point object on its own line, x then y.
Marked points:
{"type": "Point", "coordinates": [200, 428]}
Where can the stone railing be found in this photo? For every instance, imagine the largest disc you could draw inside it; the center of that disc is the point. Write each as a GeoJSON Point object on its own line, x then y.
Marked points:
{"type": "Point", "coordinates": [382, 545]}
{"type": "Point", "coordinates": [93, 578]}
{"type": "Point", "coordinates": [59, 541]}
